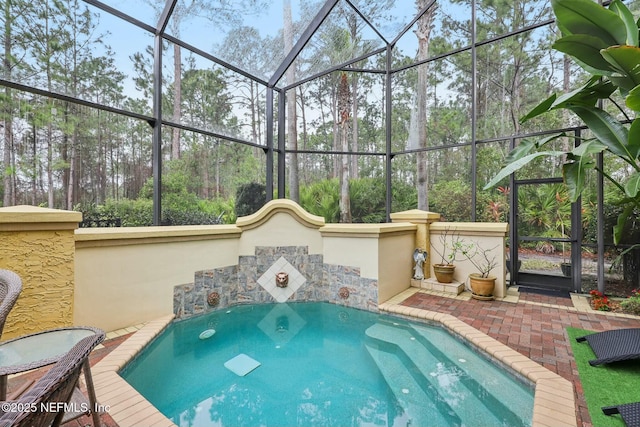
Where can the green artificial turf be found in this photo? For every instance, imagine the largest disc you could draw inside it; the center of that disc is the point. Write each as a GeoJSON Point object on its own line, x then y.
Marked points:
{"type": "Point", "coordinates": [604, 385]}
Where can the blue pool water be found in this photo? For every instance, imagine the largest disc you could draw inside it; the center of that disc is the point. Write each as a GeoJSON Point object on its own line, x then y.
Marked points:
{"type": "Point", "coordinates": [323, 365]}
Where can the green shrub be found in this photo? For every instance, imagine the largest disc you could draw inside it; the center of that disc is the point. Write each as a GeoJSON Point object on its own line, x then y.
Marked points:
{"type": "Point", "coordinates": [250, 198]}
{"type": "Point", "coordinates": [368, 200]}
{"type": "Point", "coordinates": [322, 198]}
{"type": "Point", "coordinates": [632, 304]}
{"type": "Point", "coordinates": [132, 213]}
{"type": "Point", "coordinates": [451, 199]}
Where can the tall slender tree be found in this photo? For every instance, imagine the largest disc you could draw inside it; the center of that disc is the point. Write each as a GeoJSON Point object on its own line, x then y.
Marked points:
{"type": "Point", "coordinates": [344, 111]}
{"type": "Point", "coordinates": [423, 33]}
{"type": "Point", "coordinates": [292, 115]}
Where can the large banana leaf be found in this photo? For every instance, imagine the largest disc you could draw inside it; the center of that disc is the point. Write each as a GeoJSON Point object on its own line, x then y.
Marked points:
{"type": "Point", "coordinates": [629, 23]}
{"type": "Point", "coordinates": [518, 164]}
{"type": "Point", "coordinates": [588, 94]}
{"type": "Point", "coordinates": [588, 17]}
{"type": "Point", "coordinates": [521, 150]}
{"type": "Point", "coordinates": [586, 49]}
{"type": "Point", "coordinates": [633, 99]}
{"type": "Point", "coordinates": [541, 108]}
{"type": "Point", "coordinates": [608, 130]}
{"type": "Point", "coordinates": [632, 187]}
{"type": "Point", "coordinates": [626, 61]}
{"type": "Point", "coordinates": [579, 160]}
{"type": "Point", "coordinates": [622, 220]}
{"type": "Point", "coordinates": [634, 140]}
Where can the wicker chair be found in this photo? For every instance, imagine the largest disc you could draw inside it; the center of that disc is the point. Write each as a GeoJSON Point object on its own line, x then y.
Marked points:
{"type": "Point", "coordinates": [43, 404]}
{"type": "Point", "coordinates": [10, 288]}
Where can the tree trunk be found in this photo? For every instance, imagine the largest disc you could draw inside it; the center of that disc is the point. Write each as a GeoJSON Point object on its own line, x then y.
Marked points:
{"type": "Point", "coordinates": [71, 192]}
{"type": "Point", "coordinates": [34, 153]}
{"type": "Point", "coordinates": [292, 119]}
{"type": "Point", "coordinates": [7, 113]}
{"type": "Point", "coordinates": [354, 126]}
{"type": "Point", "coordinates": [205, 172]}
{"type": "Point", "coordinates": [177, 100]}
{"type": "Point", "coordinates": [50, 165]}
{"type": "Point", "coordinates": [344, 99]}
{"type": "Point", "coordinates": [305, 169]}
{"type": "Point", "coordinates": [423, 32]}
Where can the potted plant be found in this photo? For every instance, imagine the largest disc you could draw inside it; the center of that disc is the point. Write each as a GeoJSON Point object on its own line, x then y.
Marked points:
{"type": "Point", "coordinates": [482, 283]}
{"type": "Point", "coordinates": [451, 244]}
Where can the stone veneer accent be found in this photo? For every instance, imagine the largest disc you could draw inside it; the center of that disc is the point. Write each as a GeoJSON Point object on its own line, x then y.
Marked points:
{"type": "Point", "coordinates": [237, 284]}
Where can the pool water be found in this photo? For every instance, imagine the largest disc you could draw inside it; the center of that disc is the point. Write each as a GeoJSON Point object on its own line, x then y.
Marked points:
{"type": "Point", "coordinates": [323, 365]}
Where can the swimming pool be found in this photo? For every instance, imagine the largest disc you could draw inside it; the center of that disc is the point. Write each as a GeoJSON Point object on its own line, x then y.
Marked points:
{"type": "Point", "coordinates": [322, 364]}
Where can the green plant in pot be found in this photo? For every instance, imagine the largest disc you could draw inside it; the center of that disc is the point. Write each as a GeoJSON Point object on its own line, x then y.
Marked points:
{"type": "Point", "coordinates": [604, 41]}
{"type": "Point", "coordinates": [482, 283]}
{"type": "Point", "coordinates": [450, 245]}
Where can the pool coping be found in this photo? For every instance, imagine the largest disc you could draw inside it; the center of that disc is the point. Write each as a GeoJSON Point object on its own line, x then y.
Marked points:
{"type": "Point", "coordinates": [554, 400]}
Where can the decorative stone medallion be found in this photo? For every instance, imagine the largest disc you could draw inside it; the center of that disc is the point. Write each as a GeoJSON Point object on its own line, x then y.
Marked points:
{"type": "Point", "coordinates": [343, 292]}
{"type": "Point", "coordinates": [213, 299]}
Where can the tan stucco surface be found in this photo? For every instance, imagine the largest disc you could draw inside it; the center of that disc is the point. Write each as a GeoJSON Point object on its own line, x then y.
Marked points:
{"type": "Point", "coordinates": [484, 235]}
{"type": "Point", "coordinates": [38, 245]}
{"type": "Point", "coordinates": [281, 229]}
{"type": "Point", "coordinates": [123, 285]}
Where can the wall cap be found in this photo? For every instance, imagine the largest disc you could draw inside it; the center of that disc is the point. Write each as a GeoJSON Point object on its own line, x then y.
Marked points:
{"type": "Point", "coordinates": [366, 230]}
{"type": "Point", "coordinates": [415, 216]}
{"type": "Point", "coordinates": [276, 206]}
{"type": "Point", "coordinates": [25, 217]}
{"type": "Point", "coordinates": [26, 213]}
{"type": "Point", "coordinates": [134, 235]}
{"type": "Point", "coordinates": [475, 228]}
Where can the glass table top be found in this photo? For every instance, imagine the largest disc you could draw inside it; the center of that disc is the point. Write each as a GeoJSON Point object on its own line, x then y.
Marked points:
{"type": "Point", "coordinates": [44, 348]}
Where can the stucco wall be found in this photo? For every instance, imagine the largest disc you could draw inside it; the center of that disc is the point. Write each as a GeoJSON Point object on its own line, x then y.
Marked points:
{"type": "Point", "coordinates": [118, 277]}
{"type": "Point", "coordinates": [38, 245]}
{"type": "Point", "coordinates": [485, 235]}
{"type": "Point", "coordinates": [123, 282]}
{"type": "Point", "coordinates": [280, 228]}
{"type": "Point", "coordinates": [382, 251]}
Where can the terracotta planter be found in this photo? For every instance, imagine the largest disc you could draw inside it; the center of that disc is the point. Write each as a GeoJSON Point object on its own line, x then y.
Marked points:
{"type": "Point", "coordinates": [482, 287]}
{"type": "Point", "coordinates": [444, 272]}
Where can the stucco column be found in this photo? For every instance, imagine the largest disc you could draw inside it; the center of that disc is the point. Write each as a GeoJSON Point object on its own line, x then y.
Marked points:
{"type": "Point", "coordinates": [422, 219]}
{"type": "Point", "coordinates": [38, 244]}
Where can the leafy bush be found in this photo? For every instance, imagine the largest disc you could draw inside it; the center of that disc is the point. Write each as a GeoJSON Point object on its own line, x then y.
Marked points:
{"type": "Point", "coordinates": [322, 198]}
{"type": "Point", "coordinates": [250, 198]}
{"type": "Point", "coordinates": [451, 199]}
{"type": "Point", "coordinates": [632, 304]}
{"type": "Point", "coordinates": [368, 200]}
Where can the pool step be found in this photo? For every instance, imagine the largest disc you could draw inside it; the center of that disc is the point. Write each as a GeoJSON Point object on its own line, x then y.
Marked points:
{"type": "Point", "coordinates": [476, 377]}
{"type": "Point", "coordinates": [449, 381]}
{"type": "Point", "coordinates": [421, 402]}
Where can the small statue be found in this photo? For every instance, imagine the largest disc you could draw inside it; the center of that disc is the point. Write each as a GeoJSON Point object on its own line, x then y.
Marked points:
{"type": "Point", "coordinates": [419, 256]}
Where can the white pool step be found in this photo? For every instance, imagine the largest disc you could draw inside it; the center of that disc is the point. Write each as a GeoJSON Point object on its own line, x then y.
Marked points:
{"type": "Point", "coordinates": [422, 408]}
{"type": "Point", "coordinates": [452, 379]}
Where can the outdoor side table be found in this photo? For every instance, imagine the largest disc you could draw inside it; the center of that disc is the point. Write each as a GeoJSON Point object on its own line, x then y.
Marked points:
{"type": "Point", "coordinates": [45, 348]}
